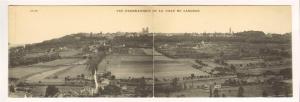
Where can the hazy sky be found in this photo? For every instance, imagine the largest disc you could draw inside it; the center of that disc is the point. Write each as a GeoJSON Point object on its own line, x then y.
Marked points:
{"type": "Point", "coordinates": [31, 24]}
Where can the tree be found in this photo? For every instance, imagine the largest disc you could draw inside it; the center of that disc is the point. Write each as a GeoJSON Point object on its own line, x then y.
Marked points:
{"type": "Point", "coordinates": [51, 91]}
{"type": "Point", "coordinates": [12, 88]}
{"type": "Point", "coordinates": [141, 90]}
{"type": "Point", "coordinates": [82, 76]}
{"type": "Point", "coordinates": [241, 92]}
{"type": "Point", "coordinates": [192, 76]}
{"type": "Point", "coordinates": [232, 67]}
{"type": "Point", "coordinates": [223, 95]}
{"type": "Point", "coordinates": [184, 86]}
{"type": "Point", "coordinates": [216, 93]}
{"type": "Point", "coordinates": [113, 77]}
{"type": "Point", "coordinates": [174, 84]}
{"type": "Point", "coordinates": [111, 90]}
{"type": "Point", "coordinates": [210, 91]}
{"type": "Point", "coordinates": [264, 93]}
{"type": "Point", "coordinates": [287, 73]}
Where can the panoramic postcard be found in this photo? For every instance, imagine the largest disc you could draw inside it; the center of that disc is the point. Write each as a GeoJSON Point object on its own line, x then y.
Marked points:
{"type": "Point", "coordinates": [150, 51]}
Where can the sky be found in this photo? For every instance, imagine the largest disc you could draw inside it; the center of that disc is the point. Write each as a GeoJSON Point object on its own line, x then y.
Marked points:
{"type": "Point", "coordinates": [32, 24]}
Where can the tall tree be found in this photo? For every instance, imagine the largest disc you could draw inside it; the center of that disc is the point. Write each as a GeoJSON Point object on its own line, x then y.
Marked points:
{"type": "Point", "coordinates": [174, 84]}
{"type": "Point", "coordinates": [216, 93]}
{"type": "Point", "coordinates": [210, 91]}
{"type": "Point", "coordinates": [264, 93]}
{"type": "Point", "coordinates": [241, 92]}
{"type": "Point", "coordinates": [141, 89]}
{"type": "Point", "coordinates": [51, 91]}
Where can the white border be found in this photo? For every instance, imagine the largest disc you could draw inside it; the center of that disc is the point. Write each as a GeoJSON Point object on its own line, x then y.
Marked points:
{"type": "Point", "coordinates": [152, 2]}
{"type": "Point", "coordinates": [4, 47]}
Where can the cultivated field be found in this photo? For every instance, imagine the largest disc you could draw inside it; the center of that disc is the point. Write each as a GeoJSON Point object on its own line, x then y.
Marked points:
{"type": "Point", "coordinates": [128, 66]}
{"type": "Point", "coordinates": [43, 71]}
{"type": "Point", "coordinates": [42, 76]}
{"type": "Point", "coordinates": [165, 67]}
{"type": "Point", "coordinates": [58, 62]}
{"type": "Point", "coordinates": [22, 72]}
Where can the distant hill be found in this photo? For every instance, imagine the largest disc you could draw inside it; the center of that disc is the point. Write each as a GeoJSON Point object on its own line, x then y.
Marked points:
{"type": "Point", "coordinates": [48, 50]}
{"type": "Point", "coordinates": [71, 41]}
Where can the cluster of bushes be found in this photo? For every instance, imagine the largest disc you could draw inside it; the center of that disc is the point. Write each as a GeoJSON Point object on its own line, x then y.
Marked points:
{"type": "Point", "coordinates": [200, 62]}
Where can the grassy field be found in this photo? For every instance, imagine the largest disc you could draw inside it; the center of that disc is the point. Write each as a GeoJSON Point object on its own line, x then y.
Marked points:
{"type": "Point", "coordinates": [124, 66]}
{"type": "Point", "coordinates": [58, 62]}
{"type": "Point", "coordinates": [165, 67]}
{"type": "Point", "coordinates": [128, 66]}
{"type": "Point", "coordinates": [42, 76]}
{"type": "Point", "coordinates": [72, 72]}
{"type": "Point", "coordinates": [40, 71]}
{"type": "Point", "coordinates": [21, 72]}
{"type": "Point", "coordinates": [173, 70]}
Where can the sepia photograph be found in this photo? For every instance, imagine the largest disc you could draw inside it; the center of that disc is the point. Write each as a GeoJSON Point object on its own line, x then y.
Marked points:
{"type": "Point", "coordinates": [150, 51]}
